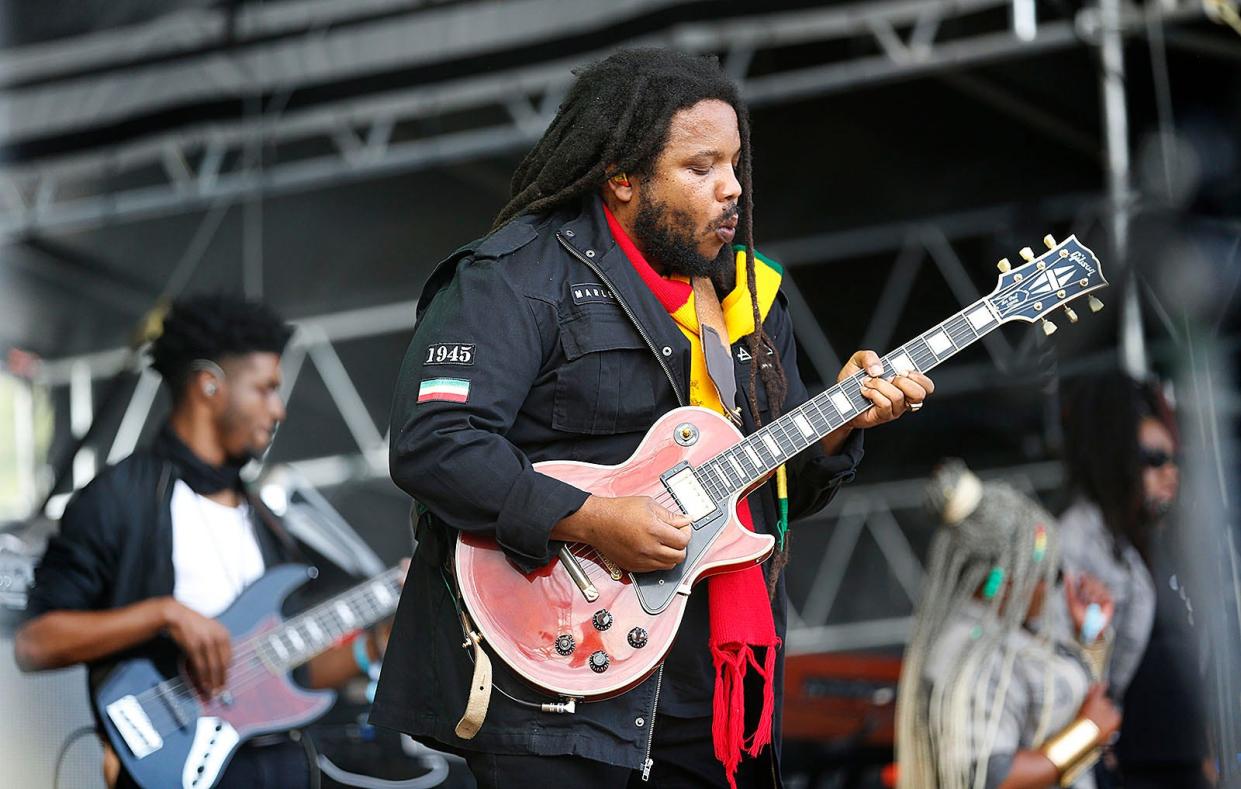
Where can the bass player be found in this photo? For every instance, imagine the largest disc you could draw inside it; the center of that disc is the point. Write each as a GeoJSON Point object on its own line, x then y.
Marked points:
{"type": "Point", "coordinates": [158, 544]}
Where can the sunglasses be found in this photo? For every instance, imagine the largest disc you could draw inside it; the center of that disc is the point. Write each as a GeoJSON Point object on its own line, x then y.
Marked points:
{"type": "Point", "coordinates": [1157, 458]}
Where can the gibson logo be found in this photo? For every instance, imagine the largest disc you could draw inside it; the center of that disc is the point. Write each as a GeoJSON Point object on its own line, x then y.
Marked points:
{"type": "Point", "coordinates": [1079, 257]}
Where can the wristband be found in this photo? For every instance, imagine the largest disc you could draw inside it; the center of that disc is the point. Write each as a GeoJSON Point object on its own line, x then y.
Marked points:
{"type": "Point", "coordinates": [359, 654]}
{"type": "Point", "coordinates": [1074, 743]}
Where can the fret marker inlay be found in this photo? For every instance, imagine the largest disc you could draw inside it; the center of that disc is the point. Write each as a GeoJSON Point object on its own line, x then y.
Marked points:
{"type": "Point", "coordinates": [381, 593]}
{"type": "Point", "coordinates": [842, 403]}
{"type": "Point", "coordinates": [981, 317]}
{"type": "Point", "coordinates": [771, 445]}
{"type": "Point", "coordinates": [804, 425]}
{"type": "Point", "coordinates": [902, 364]}
{"type": "Point", "coordinates": [344, 613]}
{"type": "Point", "coordinates": [939, 342]}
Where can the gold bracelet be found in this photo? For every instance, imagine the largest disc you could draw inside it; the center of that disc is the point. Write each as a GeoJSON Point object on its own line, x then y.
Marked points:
{"type": "Point", "coordinates": [1074, 742]}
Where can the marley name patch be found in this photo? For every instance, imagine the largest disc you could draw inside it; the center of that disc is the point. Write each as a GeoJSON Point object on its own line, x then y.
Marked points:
{"type": "Point", "coordinates": [450, 353]}
{"type": "Point", "coordinates": [591, 293]}
{"type": "Point", "coordinates": [453, 390]}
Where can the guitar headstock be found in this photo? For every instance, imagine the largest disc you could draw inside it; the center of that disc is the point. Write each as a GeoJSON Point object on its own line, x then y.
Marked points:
{"type": "Point", "coordinates": [1033, 290]}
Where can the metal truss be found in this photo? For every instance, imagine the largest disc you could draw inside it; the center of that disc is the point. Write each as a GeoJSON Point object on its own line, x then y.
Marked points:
{"type": "Point", "coordinates": [273, 150]}
{"type": "Point", "coordinates": [314, 340]}
{"type": "Point", "coordinates": [887, 511]}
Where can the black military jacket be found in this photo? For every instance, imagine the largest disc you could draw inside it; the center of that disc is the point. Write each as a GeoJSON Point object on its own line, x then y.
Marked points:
{"type": "Point", "coordinates": [551, 348]}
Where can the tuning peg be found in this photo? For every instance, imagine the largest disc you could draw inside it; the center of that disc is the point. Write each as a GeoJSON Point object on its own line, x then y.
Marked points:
{"type": "Point", "coordinates": [1050, 241]}
{"type": "Point", "coordinates": [1072, 315]}
{"type": "Point", "coordinates": [1095, 304]}
{"type": "Point", "coordinates": [1027, 254]}
{"type": "Point", "coordinates": [1004, 266]}
{"type": "Point", "coordinates": [1049, 328]}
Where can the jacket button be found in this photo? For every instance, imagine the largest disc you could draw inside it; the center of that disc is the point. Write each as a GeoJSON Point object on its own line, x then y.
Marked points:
{"type": "Point", "coordinates": [667, 350]}
{"type": "Point", "coordinates": [639, 722]}
{"type": "Point", "coordinates": [569, 233]}
{"type": "Point", "coordinates": [590, 253]}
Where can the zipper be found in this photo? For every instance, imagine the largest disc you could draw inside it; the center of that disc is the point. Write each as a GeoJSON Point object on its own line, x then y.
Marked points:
{"type": "Point", "coordinates": [648, 763]}
{"type": "Point", "coordinates": [628, 313]}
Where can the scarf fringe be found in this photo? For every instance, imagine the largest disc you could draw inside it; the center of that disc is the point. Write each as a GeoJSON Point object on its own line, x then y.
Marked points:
{"type": "Point", "coordinates": [728, 722]}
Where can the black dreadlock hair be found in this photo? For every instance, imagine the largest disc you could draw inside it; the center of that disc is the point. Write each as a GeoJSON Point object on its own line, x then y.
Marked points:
{"type": "Point", "coordinates": [213, 327]}
{"type": "Point", "coordinates": [1101, 417]}
{"type": "Point", "coordinates": [616, 118]}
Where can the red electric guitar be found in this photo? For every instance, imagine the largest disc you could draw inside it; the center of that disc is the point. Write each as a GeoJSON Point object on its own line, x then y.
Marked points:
{"type": "Point", "coordinates": [582, 627]}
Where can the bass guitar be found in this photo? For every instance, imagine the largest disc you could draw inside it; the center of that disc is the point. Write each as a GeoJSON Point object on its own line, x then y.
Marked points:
{"type": "Point", "coordinates": [581, 627]}
{"type": "Point", "coordinates": [167, 734]}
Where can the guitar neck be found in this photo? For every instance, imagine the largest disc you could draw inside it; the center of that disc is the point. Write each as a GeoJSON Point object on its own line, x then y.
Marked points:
{"type": "Point", "coordinates": [761, 452]}
{"type": "Point", "coordinates": [315, 630]}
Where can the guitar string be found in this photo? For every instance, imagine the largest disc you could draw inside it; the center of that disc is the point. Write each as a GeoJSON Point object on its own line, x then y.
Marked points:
{"type": "Point", "coordinates": [244, 679]}
{"type": "Point", "coordinates": [248, 649]}
{"type": "Point", "coordinates": [169, 721]}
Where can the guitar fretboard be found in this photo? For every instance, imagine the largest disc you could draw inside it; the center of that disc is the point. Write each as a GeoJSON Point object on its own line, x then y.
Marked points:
{"type": "Point", "coordinates": [313, 631]}
{"type": "Point", "coordinates": [760, 453]}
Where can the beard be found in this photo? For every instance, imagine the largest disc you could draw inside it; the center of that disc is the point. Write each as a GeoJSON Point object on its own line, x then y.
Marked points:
{"type": "Point", "coordinates": [668, 238]}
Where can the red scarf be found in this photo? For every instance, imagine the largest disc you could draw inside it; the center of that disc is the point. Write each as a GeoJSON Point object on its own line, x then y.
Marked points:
{"type": "Point", "coordinates": [740, 611]}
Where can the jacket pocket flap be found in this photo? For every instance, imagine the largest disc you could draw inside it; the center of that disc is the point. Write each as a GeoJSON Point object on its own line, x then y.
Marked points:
{"type": "Point", "coordinates": [601, 332]}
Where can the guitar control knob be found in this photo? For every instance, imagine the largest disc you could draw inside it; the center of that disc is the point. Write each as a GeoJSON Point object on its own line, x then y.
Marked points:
{"type": "Point", "coordinates": [565, 644]}
{"type": "Point", "coordinates": [602, 619]}
{"type": "Point", "coordinates": [599, 661]}
{"type": "Point", "coordinates": [637, 637]}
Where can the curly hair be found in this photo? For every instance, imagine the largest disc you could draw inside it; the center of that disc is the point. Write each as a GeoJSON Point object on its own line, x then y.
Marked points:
{"type": "Point", "coordinates": [213, 327]}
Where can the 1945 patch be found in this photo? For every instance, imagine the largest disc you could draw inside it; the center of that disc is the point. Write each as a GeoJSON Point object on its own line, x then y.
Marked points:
{"type": "Point", "coordinates": [460, 353]}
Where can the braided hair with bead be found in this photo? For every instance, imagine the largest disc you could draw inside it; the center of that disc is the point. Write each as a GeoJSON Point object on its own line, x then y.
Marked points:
{"type": "Point", "coordinates": [997, 543]}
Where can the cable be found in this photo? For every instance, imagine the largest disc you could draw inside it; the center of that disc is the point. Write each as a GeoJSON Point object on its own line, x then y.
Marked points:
{"type": "Point", "coordinates": [437, 764]}
{"type": "Point", "coordinates": [76, 735]}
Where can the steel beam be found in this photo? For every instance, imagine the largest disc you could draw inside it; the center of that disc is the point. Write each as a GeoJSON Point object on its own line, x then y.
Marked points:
{"type": "Point", "coordinates": [35, 197]}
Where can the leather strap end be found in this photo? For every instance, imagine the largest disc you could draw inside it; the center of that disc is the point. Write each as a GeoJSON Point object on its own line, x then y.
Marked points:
{"type": "Point", "coordinates": [480, 693]}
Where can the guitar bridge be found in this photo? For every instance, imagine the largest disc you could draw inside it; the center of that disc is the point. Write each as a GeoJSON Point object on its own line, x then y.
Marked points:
{"type": "Point", "coordinates": [134, 726]}
{"type": "Point", "coordinates": [613, 568]}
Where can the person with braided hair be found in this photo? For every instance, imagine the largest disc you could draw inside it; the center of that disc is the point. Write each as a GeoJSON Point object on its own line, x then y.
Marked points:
{"type": "Point", "coordinates": [609, 292]}
{"type": "Point", "coordinates": [991, 694]}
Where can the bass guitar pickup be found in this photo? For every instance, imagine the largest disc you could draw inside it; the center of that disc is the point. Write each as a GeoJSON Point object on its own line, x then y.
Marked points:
{"type": "Point", "coordinates": [134, 725]}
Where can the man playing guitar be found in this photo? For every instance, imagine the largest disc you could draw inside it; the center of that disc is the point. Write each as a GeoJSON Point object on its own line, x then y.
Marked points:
{"type": "Point", "coordinates": [609, 293]}
{"type": "Point", "coordinates": [159, 544]}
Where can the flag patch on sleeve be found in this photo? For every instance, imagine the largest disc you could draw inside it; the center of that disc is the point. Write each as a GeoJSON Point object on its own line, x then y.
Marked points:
{"type": "Point", "coordinates": [454, 390]}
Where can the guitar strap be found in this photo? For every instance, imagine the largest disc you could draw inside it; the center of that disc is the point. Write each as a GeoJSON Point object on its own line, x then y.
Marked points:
{"type": "Point", "coordinates": [274, 527]}
{"type": "Point", "coordinates": [479, 701]}
{"type": "Point", "coordinates": [713, 334]}
{"type": "Point", "coordinates": [480, 685]}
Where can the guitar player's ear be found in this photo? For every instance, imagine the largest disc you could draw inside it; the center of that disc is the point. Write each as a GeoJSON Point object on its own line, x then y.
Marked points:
{"type": "Point", "coordinates": [620, 186]}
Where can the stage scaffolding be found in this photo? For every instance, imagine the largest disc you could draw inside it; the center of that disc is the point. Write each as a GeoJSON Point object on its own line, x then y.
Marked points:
{"type": "Point", "coordinates": [64, 87]}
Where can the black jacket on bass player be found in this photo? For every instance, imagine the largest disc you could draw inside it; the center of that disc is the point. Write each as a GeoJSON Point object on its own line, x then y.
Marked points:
{"type": "Point", "coordinates": [541, 342]}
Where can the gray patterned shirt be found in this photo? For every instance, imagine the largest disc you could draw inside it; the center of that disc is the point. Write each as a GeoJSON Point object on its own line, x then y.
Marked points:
{"type": "Point", "coordinates": [1086, 545]}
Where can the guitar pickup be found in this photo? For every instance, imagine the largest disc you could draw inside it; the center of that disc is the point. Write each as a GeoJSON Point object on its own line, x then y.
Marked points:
{"type": "Point", "coordinates": [682, 484]}
{"type": "Point", "coordinates": [134, 726]}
